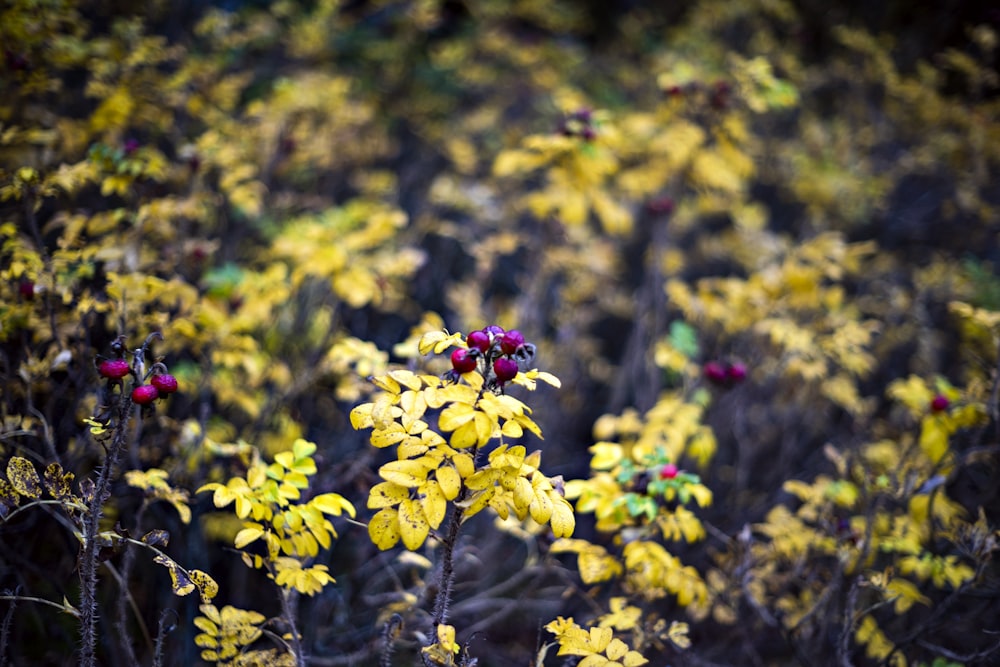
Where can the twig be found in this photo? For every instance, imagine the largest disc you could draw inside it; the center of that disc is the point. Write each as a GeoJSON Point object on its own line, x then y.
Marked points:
{"type": "Point", "coordinates": [5, 631]}
{"type": "Point", "coordinates": [161, 632]}
{"type": "Point", "coordinates": [844, 649]}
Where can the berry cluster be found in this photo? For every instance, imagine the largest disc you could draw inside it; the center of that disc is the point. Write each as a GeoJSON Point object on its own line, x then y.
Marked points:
{"type": "Point", "coordinates": [496, 353]}
{"type": "Point", "coordinates": [725, 373]}
{"type": "Point", "coordinates": [161, 382]}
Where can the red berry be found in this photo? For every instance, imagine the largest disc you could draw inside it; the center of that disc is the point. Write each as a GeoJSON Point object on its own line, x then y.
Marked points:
{"type": "Point", "coordinates": [505, 369]}
{"type": "Point", "coordinates": [668, 471]}
{"type": "Point", "coordinates": [715, 372]}
{"type": "Point", "coordinates": [479, 340]}
{"type": "Point", "coordinates": [113, 369]}
{"type": "Point", "coordinates": [660, 205]}
{"type": "Point", "coordinates": [510, 341]}
{"type": "Point", "coordinates": [145, 394]}
{"type": "Point", "coordinates": [737, 372]}
{"type": "Point", "coordinates": [165, 383]}
{"type": "Point", "coordinates": [26, 289]}
{"type": "Point", "coordinates": [462, 361]}
{"type": "Point", "coordinates": [940, 403]}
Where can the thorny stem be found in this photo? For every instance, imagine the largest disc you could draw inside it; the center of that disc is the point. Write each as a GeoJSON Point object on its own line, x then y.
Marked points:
{"type": "Point", "coordinates": [102, 491]}
{"type": "Point", "coordinates": [89, 558]}
{"type": "Point", "coordinates": [447, 582]}
{"type": "Point", "coordinates": [162, 631]}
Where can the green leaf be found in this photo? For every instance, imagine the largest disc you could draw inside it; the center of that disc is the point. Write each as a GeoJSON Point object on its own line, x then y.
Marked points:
{"type": "Point", "coordinates": [684, 338]}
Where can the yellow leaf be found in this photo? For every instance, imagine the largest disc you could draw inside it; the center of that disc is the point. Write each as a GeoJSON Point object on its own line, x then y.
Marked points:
{"type": "Point", "coordinates": [606, 455]}
{"type": "Point", "coordinates": [248, 535]}
{"type": "Point", "coordinates": [386, 494]}
{"type": "Point", "coordinates": [455, 415]}
{"type": "Point", "coordinates": [23, 478]}
{"type": "Point", "coordinates": [449, 480]}
{"type": "Point", "coordinates": [933, 437]}
{"type": "Point", "coordinates": [332, 503]}
{"type": "Point", "coordinates": [434, 503]}
{"type": "Point", "coordinates": [562, 520]}
{"type": "Point", "coordinates": [410, 474]}
{"type": "Point", "coordinates": [413, 525]}
{"type": "Point", "coordinates": [383, 529]}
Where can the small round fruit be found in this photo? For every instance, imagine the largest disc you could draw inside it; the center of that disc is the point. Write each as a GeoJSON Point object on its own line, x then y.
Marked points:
{"type": "Point", "coordinates": [165, 383]}
{"type": "Point", "coordinates": [462, 361]}
{"type": "Point", "coordinates": [737, 372]}
{"type": "Point", "coordinates": [113, 369]}
{"type": "Point", "coordinates": [510, 341]}
{"type": "Point", "coordinates": [479, 340]}
{"type": "Point", "coordinates": [26, 288]}
{"type": "Point", "coordinates": [145, 394]}
{"type": "Point", "coordinates": [505, 369]}
{"type": "Point", "coordinates": [715, 372]}
{"type": "Point", "coordinates": [940, 403]}
{"type": "Point", "coordinates": [668, 471]}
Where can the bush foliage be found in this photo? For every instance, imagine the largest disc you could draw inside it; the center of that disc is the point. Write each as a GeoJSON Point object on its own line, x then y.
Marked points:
{"type": "Point", "coordinates": [755, 419]}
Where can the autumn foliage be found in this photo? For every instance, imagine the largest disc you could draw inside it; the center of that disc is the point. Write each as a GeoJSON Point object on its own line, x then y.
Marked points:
{"type": "Point", "coordinates": [497, 333]}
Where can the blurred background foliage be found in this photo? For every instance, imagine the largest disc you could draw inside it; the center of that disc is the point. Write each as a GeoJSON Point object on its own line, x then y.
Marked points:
{"type": "Point", "coordinates": [291, 191]}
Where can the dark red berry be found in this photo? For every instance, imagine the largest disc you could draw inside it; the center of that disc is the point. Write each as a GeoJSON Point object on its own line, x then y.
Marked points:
{"type": "Point", "coordinates": [165, 383]}
{"type": "Point", "coordinates": [113, 369]}
{"type": "Point", "coordinates": [737, 372]}
{"type": "Point", "coordinates": [462, 361]}
{"type": "Point", "coordinates": [940, 403]}
{"type": "Point", "coordinates": [505, 369]}
{"type": "Point", "coordinates": [715, 372]}
{"type": "Point", "coordinates": [660, 205]}
{"type": "Point", "coordinates": [479, 340]}
{"type": "Point", "coordinates": [510, 341]}
{"type": "Point", "coordinates": [26, 289]}
{"type": "Point", "coordinates": [668, 471]}
{"type": "Point", "coordinates": [145, 394]}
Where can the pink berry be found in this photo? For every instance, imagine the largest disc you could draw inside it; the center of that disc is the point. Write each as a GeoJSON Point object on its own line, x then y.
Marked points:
{"type": "Point", "coordinates": [737, 372]}
{"type": "Point", "coordinates": [715, 372]}
{"type": "Point", "coordinates": [479, 340]}
{"type": "Point", "coordinates": [505, 369]}
{"type": "Point", "coordinates": [113, 369]}
{"type": "Point", "coordinates": [668, 471]}
{"type": "Point", "coordinates": [940, 403]}
{"type": "Point", "coordinates": [145, 394]}
{"type": "Point", "coordinates": [510, 341]}
{"type": "Point", "coordinates": [165, 383]}
{"type": "Point", "coordinates": [462, 361]}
